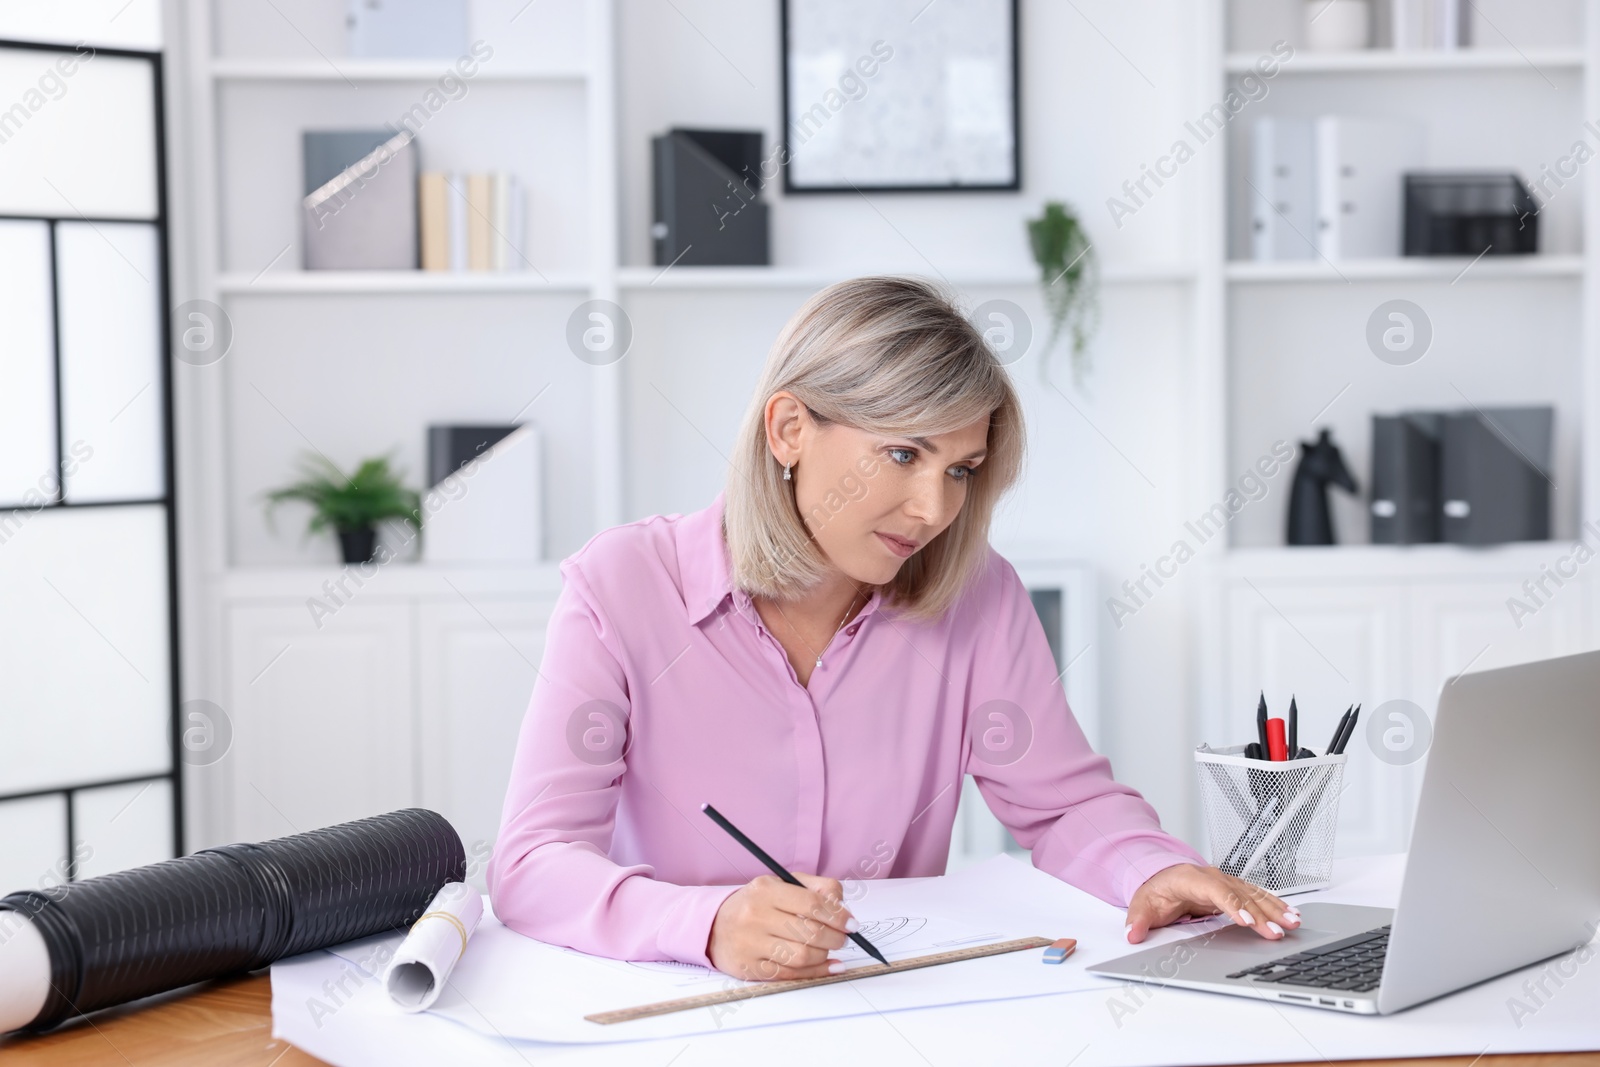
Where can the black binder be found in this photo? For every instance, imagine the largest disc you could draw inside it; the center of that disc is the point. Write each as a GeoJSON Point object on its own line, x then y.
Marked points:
{"type": "Point", "coordinates": [708, 210]}
{"type": "Point", "coordinates": [1405, 479]}
{"type": "Point", "coordinates": [1494, 483]}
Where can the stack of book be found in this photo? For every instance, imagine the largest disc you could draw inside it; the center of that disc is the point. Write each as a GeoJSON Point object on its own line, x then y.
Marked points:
{"type": "Point", "coordinates": [472, 222]}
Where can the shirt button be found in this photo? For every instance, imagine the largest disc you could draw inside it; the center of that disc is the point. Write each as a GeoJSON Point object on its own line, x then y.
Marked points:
{"type": "Point", "coordinates": [851, 630]}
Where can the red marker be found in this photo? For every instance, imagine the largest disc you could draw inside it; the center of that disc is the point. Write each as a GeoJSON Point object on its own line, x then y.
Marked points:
{"type": "Point", "coordinates": [1277, 742]}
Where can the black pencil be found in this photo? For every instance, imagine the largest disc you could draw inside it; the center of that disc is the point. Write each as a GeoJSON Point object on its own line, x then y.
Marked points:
{"type": "Point", "coordinates": [777, 868]}
{"type": "Point", "coordinates": [1338, 731]}
{"type": "Point", "coordinates": [1350, 728]}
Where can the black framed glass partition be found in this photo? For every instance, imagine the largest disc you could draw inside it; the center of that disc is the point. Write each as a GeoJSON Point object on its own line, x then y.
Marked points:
{"type": "Point", "coordinates": [89, 777]}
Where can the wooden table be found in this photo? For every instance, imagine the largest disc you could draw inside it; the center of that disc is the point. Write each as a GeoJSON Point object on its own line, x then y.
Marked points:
{"type": "Point", "coordinates": [229, 1023]}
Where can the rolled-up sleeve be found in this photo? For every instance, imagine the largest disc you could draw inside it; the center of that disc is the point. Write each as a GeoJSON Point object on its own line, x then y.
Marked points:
{"type": "Point", "coordinates": [550, 876]}
{"type": "Point", "coordinates": [1034, 766]}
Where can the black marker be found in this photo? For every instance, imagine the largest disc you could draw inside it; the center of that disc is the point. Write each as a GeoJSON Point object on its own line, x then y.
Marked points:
{"type": "Point", "coordinates": [1294, 729]}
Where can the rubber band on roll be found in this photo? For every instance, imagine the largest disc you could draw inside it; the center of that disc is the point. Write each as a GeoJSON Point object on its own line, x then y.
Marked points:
{"type": "Point", "coordinates": [422, 964]}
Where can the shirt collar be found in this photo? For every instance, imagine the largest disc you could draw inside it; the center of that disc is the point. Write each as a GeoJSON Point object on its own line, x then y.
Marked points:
{"type": "Point", "coordinates": [707, 571]}
{"type": "Point", "coordinates": [703, 561]}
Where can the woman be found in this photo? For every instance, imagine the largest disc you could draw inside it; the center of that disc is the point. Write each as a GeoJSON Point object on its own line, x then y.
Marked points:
{"type": "Point", "coordinates": [821, 654]}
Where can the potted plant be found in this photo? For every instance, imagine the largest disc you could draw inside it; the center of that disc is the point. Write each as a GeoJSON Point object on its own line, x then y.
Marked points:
{"type": "Point", "coordinates": [1070, 273]}
{"type": "Point", "coordinates": [350, 505]}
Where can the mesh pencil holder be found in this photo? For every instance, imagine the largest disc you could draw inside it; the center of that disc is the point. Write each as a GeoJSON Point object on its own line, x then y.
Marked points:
{"type": "Point", "coordinates": [1270, 822]}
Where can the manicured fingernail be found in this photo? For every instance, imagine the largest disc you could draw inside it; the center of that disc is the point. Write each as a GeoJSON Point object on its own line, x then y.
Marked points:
{"type": "Point", "coordinates": [1246, 918]}
{"type": "Point", "coordinates": [851, 924]}
{"type": "Point", "coordinates": [836, 967]}
{"type": "Point", "coordinates": [1292, 916]}
{"type": "Point", "coordinates": [1275, 928]}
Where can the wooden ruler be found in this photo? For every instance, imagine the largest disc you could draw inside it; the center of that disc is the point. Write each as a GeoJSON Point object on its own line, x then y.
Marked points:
{"type": "Point", "coordinates": [764, 989]}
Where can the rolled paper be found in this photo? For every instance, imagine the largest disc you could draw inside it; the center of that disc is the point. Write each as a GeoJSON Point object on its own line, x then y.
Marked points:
{"type": "Point", "coordinates": [424, 960]}
{"type": "Point", "coordinates": [220, 911]}
{"type": "Point", "coordinates": [24, 971]}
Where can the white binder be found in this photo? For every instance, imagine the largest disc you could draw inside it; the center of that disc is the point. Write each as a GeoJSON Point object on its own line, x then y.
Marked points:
{"type": "Point", "coordinates": [365, 217]}
{"type": "Point", "coordinates": [1429, 24]}
{"type": "Point", "coordinates": [1360, 188]}
{"type": "Point", "coordinates": [489, 511]}
{"type": "Point", "coordinates": [1283, 206]}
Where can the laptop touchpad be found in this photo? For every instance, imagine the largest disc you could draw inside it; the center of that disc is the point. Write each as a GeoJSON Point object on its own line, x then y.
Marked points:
{"type": "Point", "coordinates": [1243, 941]}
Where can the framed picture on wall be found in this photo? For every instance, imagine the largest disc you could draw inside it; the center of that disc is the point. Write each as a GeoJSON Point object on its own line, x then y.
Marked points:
{"type": "Point", "coordinates": [900, 96]}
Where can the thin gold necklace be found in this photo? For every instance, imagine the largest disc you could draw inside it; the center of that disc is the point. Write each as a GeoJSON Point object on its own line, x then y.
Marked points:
{"type": "Point", "coordinates": [842, 619]}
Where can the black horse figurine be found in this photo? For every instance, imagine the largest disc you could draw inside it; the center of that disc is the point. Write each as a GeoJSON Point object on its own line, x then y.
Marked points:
{"type": "Point", "coordinates": [1310, 522]}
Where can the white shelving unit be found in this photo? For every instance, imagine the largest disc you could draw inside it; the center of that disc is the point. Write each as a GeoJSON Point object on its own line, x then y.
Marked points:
{"type": "Point", "coordinates": [372, 70]}
{"type": "Point", "coordinates": [1282, 352]}
{"type": "Point", "coordinates": [283, 636]}
{"type": "Point", "coordinates": [411, 638]}
{"type": "Point", "coordinates": [1198, 356]}
{"type": "Point", "coordinates": [793, 278]}
{"type": "Point", "coordinates": [1443, 268]}
{"type": "Point", "coordinates": [1384, 60]}
{"type": "Point", "coordinates": [375, 281]}
{"type": "Point", "coordinates": [394, 652]}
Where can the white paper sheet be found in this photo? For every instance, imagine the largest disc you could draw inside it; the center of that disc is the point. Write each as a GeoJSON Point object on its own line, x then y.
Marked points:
{"type": "Point", "coordinates": [321, 1003]}
{"type": "Point", "coordinates": [511, 985]}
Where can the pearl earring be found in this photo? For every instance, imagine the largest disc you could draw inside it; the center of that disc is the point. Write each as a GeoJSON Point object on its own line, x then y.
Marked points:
{"type": "Point", "coordinates": [786, 472]}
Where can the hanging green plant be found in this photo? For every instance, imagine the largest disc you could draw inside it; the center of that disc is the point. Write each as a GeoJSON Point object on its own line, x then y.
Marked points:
{"type": "Point", "coordinates": [352, 505]}
{"type": "Point", "coordinates": [1070, 273]}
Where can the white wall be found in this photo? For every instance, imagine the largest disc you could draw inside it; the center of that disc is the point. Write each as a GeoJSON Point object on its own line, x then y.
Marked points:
{"type": "Point", "coordinates": [1089, 118]}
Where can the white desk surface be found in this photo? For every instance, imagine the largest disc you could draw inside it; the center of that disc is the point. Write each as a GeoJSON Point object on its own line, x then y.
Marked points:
{"type": "Point", "coordinates": [1114, 1024]}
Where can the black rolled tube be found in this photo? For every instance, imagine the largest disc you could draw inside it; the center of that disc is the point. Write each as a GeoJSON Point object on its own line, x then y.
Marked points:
{"type": "Point", "coordinates": [235, 908]}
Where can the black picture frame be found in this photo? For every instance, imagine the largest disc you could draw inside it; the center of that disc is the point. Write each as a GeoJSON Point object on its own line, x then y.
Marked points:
{"type": "Point", "coordinates": [785, 147]}
{"type": "Point", "coordinates": [174, 775]}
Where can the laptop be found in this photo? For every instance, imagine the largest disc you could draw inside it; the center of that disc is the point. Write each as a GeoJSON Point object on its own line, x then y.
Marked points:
{"type": "Point", "coordinates": [1503, 868]}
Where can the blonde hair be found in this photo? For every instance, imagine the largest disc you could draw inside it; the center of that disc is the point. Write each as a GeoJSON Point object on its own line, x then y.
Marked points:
{"type": "Point", "coordinates": [889, 355]}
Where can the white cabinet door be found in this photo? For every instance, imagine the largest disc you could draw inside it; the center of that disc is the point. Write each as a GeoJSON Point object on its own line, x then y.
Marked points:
{"type": "Point", "coordinates": [322, 719]}
{"type": "Point", "coordinates": [476, 672]}
{"type": "Point", "coordinates": [1329, 646]}
{"type": "Point", "coordinates": [1467, 626]}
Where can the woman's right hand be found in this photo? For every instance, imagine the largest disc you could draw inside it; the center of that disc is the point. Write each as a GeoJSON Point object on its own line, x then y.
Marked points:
{"type": "Point", "coordinates": [769, 930]}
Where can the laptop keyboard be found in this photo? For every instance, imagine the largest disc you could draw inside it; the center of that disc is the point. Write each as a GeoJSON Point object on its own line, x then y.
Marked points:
{"type": "Point", "coordinates": [1354, 964]}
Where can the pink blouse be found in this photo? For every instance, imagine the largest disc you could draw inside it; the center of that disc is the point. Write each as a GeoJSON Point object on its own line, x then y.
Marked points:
{"type": "Point", "coordinates": [661, 690]}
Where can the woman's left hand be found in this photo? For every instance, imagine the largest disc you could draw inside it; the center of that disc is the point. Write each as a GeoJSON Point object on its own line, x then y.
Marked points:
{"type": "Point", "coordinates": [1187, 889]}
